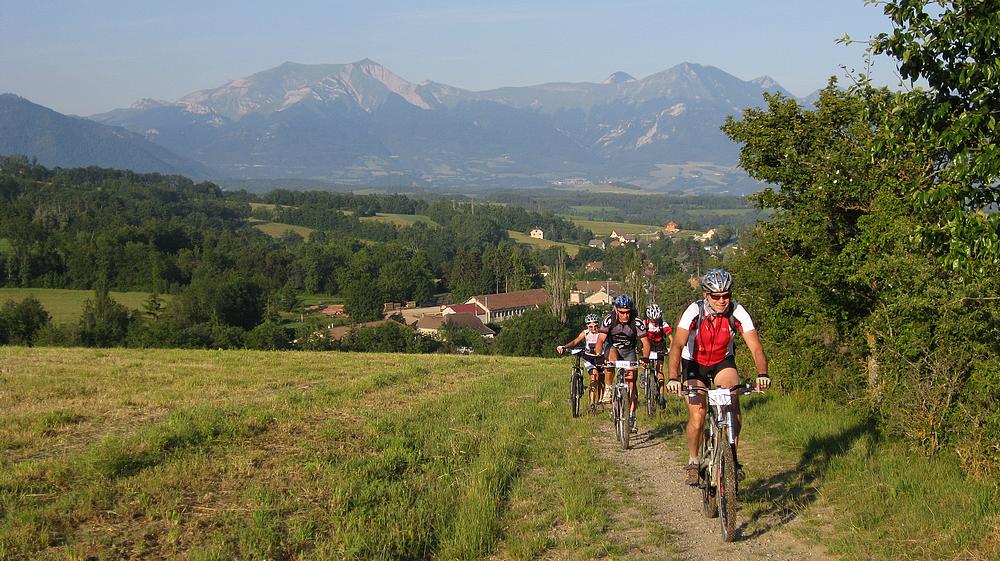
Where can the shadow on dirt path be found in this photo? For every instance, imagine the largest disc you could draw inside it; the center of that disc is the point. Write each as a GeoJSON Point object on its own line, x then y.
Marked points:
{"type": "Point", "coordinates": [656, 462]}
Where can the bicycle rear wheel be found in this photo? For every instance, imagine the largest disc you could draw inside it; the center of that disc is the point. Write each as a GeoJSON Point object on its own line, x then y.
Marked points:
{"type": "Point", "coordinates": [727, 492]}
{"type": "Point", "coordinates": [709, 504]}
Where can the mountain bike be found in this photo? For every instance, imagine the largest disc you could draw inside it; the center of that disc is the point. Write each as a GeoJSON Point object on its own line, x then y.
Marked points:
{"type": "Point", "coordinates": [717, 456]}
{"type": "Point", "coordinates": [620, 400]}
{"type": "Point", "coordinates": [649, 383]}
{"type": "Point", "coordinates": [575, 383]}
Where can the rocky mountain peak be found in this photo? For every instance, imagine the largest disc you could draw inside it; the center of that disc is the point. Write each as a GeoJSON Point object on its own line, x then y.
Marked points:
{"type": "Point", "coordinates": [619, 78]}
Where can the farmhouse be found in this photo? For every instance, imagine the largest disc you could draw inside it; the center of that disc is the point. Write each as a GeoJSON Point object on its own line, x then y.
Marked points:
{"type": "Point", "coordinates": [509, 304]}
{"type": "Point", "coordinates": [432, 324]}
{"type": "Point", "coordinates": [538, 233]}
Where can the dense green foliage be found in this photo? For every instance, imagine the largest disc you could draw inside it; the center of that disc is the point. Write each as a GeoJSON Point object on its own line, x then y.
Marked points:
{"type": "Point", "coordinates": [849, 297]}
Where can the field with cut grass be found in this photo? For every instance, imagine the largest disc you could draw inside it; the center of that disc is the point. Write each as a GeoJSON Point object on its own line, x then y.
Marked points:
{"type": "Point", "coordinates": [602, 229]}
{"type": "Point", "coordinates": [277, 229]}
{"type": "Point", "coordinates": [521, 237]}
{"type": "Point", "coordinates": [213, 455]}
{"type": "Point", "coordinates": [66, 305]}
{"type": "Point", "coordinates": [400, 219]}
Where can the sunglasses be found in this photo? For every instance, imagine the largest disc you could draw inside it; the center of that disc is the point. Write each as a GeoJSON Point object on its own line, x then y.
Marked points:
{"type": "Point", "coordinates": [624, 311]}
{"type": "Point", "coordinates": [591, 325]}
{"type": "Point", "coordinates": [722, 296]}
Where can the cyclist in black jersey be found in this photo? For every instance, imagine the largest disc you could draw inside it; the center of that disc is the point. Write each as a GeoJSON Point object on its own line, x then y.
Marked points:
{"type": "Point", "coordinates": [626, 332]}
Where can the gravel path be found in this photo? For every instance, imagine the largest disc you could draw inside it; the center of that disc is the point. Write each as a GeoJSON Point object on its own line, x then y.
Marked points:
{"type": "Point", "coordinates": [659, 481]}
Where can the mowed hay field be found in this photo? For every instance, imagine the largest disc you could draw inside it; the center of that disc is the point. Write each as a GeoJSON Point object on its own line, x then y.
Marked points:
{"type": "Point", "coordinates": [65, 305]}
{"type": "Point", "coordinates": [211, 455]}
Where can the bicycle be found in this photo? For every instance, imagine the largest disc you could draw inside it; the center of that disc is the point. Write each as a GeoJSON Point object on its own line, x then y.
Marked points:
{"type": "Point", "coordinates": [717, 456]}
{"type": "Point", "coordinates": [650, 384]}
{"type": "Point", "coordinates": [620, 400]}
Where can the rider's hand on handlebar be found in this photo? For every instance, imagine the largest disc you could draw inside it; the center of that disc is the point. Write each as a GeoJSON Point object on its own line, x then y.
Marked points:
{"type": "Point", "coordinates": [674, 386]}
{"type": "Point", "coordinates": [763, 381]}
{"type": "Point", "coordinates": [560, 349]}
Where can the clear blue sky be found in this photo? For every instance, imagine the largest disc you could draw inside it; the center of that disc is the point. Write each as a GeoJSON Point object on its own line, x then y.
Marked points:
{"type": "Point", "coordinates": [85, 57]}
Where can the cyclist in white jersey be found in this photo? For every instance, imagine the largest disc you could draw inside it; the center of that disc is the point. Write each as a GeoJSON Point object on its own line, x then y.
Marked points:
{"type": "Point", "coordinates": [588, 335]}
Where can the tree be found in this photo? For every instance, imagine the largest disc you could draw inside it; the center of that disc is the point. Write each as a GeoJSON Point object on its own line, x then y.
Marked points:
{"type": "Point", "coordinates": [952, 45]}
{"type": "Point", "coordinates": [533, 333]}
{"type": "Point", "coordinates": [21, 321]}
{"type": "Point", "coordinates": [557, 286]}
{"type": "Point", "coordinates": [104, 322]}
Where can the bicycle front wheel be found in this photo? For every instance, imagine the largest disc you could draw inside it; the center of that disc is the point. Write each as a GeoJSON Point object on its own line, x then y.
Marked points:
{"type": "Point", "coordinates": [709, 504]}
{"type": "Point", "coordinates": [575, 391]}
{"type": "Point", "coordinates": [623, 428]}
{"type": "Point", "coordinates": [727, 492]}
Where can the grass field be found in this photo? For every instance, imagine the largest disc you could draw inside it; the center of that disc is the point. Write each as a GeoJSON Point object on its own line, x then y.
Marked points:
{"type": "Point", "coordinates": [212, 455]}
{"type": "Point", "coordinates": [277, 229]}
{"type": "Point", "coordinates": [6, 247]}
{"type": "Point", "coordinates": [521, 237]}
{"type": "Point", "coordinates": [602, 229]}
{"type": "Point", "coordinates": [66, 305]}
{"type": "Point", "coordinates": [400, 219]}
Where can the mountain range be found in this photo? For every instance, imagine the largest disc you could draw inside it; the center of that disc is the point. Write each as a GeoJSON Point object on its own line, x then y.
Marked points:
{"type": "Point", "coordinates": [361, 123]}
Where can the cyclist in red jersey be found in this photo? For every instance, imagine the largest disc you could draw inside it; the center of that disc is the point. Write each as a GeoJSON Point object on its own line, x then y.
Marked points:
{"type": "Point", "coordinates": [658, 332]}
{"type": "Point", "coordinates": [703, 353]}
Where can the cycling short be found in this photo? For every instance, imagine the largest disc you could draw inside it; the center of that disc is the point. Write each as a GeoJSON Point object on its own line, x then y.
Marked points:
{"type": "Point", "coordinates": [624, 354]}
{"type": "Point", "coordinates": [691, 370]}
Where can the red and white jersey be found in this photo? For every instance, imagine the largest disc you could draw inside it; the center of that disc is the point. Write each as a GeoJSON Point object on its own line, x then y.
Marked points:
{"type": "Point", "coordinates": [713, 340]}
{"type": "Point", "coordinates": [657, 332]}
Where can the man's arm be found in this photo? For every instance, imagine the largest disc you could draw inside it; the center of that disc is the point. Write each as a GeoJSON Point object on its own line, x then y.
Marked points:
{"type": "Point", "coordinates": [599, 347]}
{"type": "Point", "coordinates": [756, 350]}
{"type": "Point", "coordinates": [645, 347]}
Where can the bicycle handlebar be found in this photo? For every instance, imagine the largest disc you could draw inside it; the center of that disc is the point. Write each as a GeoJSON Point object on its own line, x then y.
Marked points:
{"type": "Point", "coordinates": [745, 389]}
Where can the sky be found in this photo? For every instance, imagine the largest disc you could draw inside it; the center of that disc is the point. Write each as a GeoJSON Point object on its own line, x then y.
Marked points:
{"type": "Point", "coordinates": [86, 57]}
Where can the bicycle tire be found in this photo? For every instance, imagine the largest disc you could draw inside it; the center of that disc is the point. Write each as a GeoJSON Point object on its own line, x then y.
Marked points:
{"type": "Point", "coordinates": [651, 401]}
{"type": "Point", "coordinates": [615, 410]}
{"type": "Point", "coordinates": [727, 493]}
{"type": "Point", "coordinates": [709, 502]}
{"type": "Point", "coordinates": [575, 391]}
{"type": "Point", "coordinates": [623, 422]}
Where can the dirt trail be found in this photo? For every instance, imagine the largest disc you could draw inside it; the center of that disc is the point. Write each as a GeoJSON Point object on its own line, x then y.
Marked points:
{"type": "Point", "coordinates": [658, 481]}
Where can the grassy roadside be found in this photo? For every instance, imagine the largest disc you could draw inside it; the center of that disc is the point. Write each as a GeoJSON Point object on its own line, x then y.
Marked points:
{"type": "Point", "coordinates": [853, 490]}
{"type": "Point", "coordinates": [207, 455]}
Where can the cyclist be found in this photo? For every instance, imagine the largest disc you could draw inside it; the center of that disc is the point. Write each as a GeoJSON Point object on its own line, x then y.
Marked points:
{"type": "Point", "coordinates": [591, 359]}
{"type": "Point", "coordinates": [702, 353]}
{"type": "Point", "coordinates": [658, 332]}
{"type": "Point", "coordinates": [626, 331]}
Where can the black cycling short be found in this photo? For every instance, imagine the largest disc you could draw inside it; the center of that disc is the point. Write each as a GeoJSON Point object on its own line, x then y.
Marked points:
{"type": "Point", "coordinates": [691, 370]}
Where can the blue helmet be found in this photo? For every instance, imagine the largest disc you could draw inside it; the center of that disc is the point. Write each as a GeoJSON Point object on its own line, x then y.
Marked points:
{"type": "Point", "coordinates": [624, 301]}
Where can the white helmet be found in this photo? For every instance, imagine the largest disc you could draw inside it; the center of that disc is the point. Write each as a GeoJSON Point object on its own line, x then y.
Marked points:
{"type": "Point", "coordinates": [654, 312]}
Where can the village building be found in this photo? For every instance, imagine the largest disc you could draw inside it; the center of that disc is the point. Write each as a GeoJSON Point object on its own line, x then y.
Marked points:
{"type": "Point", "coordinates": [506, 305]}
{"type": "Point", "coordinates": [432, 324]}
{"type": "Point", "coordinates": [538, 233]}
{"type": "Point", "coordinates": [338, 333]}
{"type": "Point", "coordinates": [593, 266]}
{"type": "Point", "coordinates": [599, 244]}
{"type": "Point", "coordinates": [670, 228]}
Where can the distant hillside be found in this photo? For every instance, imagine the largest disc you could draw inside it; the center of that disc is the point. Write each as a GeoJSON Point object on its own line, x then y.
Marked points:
{"type": "Point", "coordinates": [60, 140]}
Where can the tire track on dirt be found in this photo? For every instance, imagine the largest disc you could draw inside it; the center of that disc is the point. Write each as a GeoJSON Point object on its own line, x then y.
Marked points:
{"type": "Point", "coordinates": [658, 480]}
